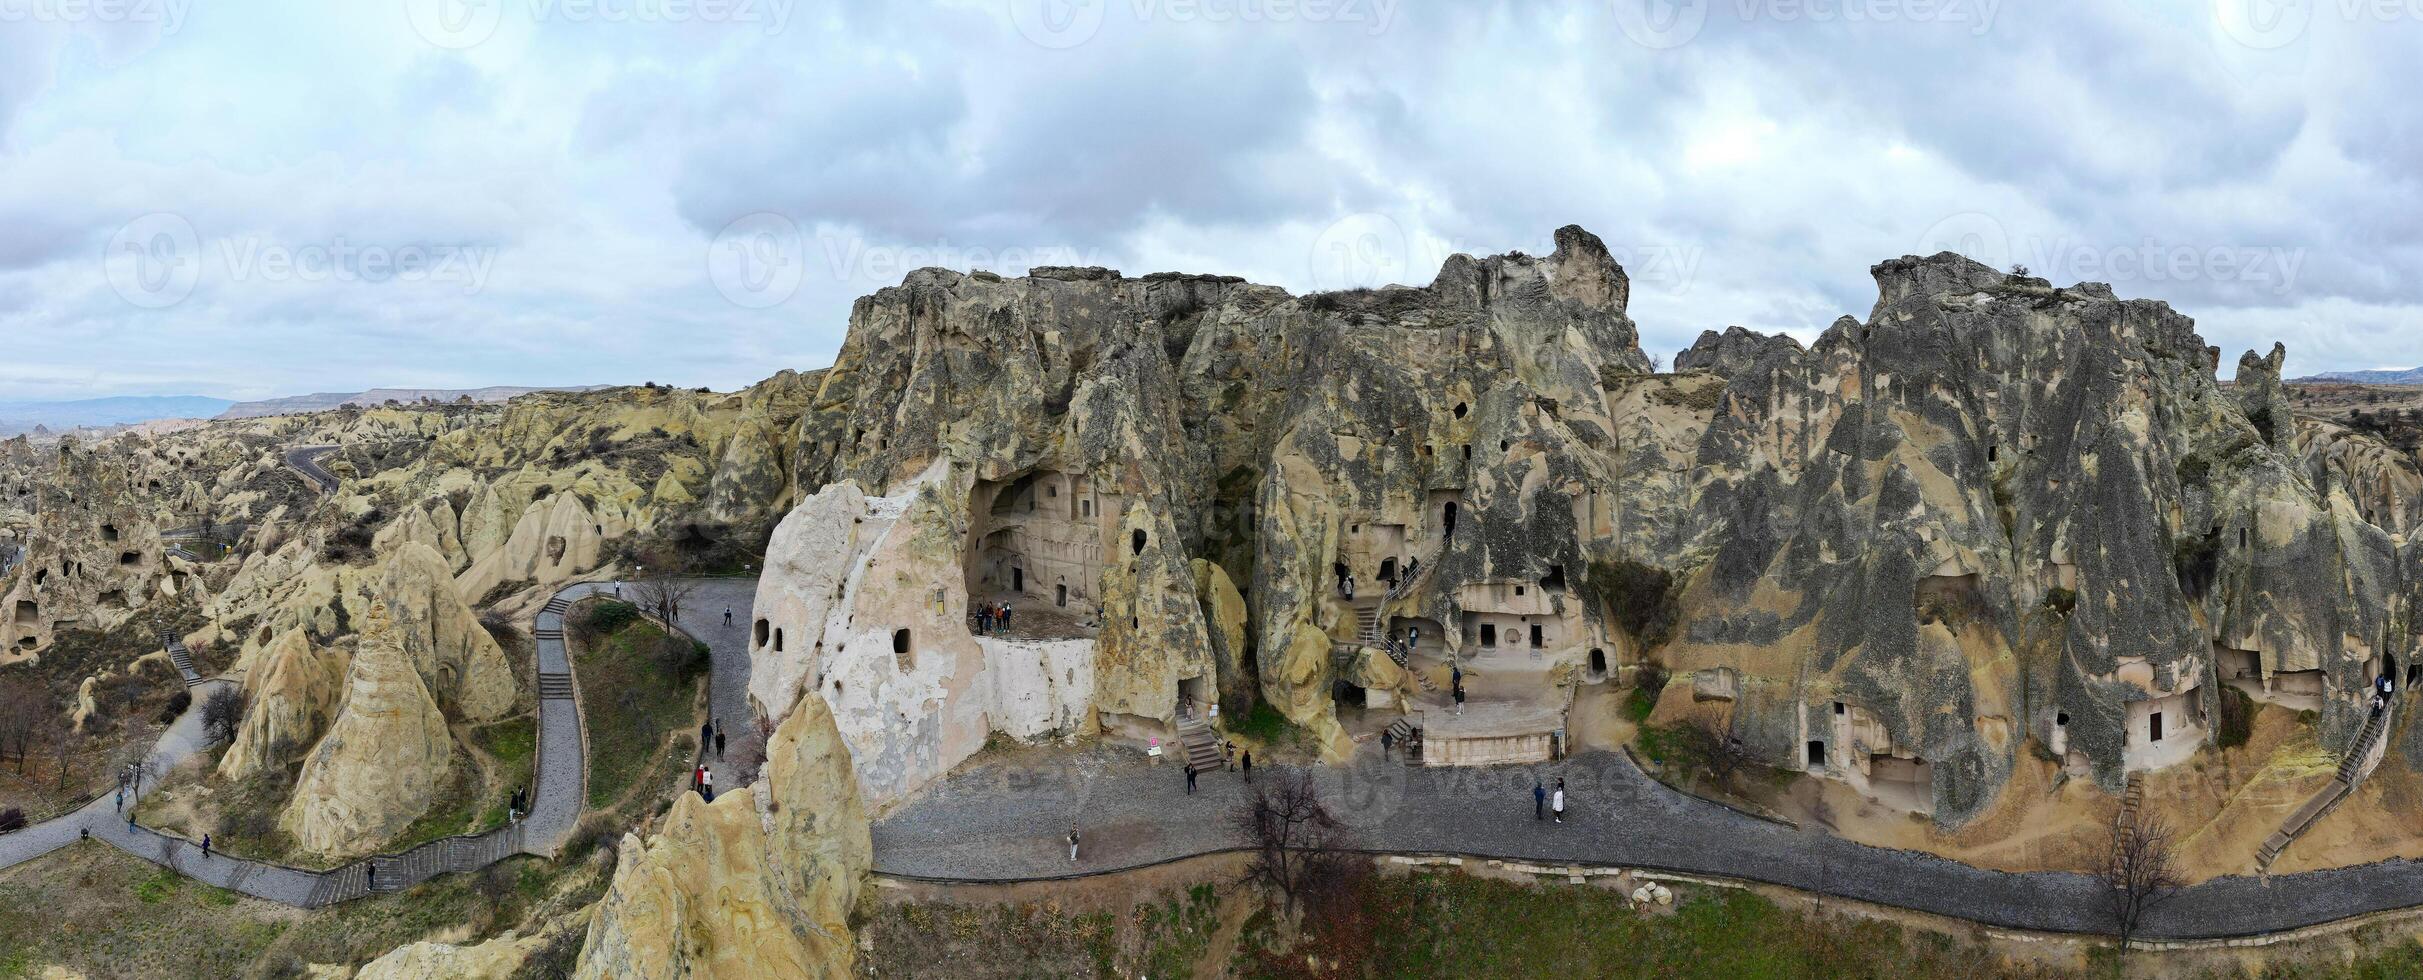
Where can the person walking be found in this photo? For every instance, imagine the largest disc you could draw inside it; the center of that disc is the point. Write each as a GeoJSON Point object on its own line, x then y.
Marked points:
{"type": "Point", "coordinates": [618, 588]}
{"type": "Point", "coordinates": [698, 778]}
{"type": "Point", "coordinates": [1190, 777]}
{"type": "Point", "coordinates": [1246, 762]}
{"type": "Point", "coordinates": [1557, 803]}
{"type": "Point", "coordinates": [1388, 741]}
{"type": "Point", "coordinates": [1005, 615]}
{"type": "Point", "coordinates": [1539, 800]}
{"type": "Point", "coordinates": [1072, 845]}
{"type": "Point", "coordinates": [206, 847]}
{"type": "Point", "coordinates": [727, 619]}
{"type": "Point", "coordinates": [706, 737]}
{"type": "Point", "coordinates": [1228, 755]}
{"type": "Point", "coordinates": [706, 784]}
{"type": "Point", "coordinates": [1350, 587]}
{"type": "Point", "coordinates": [1459, 697]}
{"type": "Point", "coordinates": [121, 797]}
{"type": "Point", "coordinates": [719, 745]}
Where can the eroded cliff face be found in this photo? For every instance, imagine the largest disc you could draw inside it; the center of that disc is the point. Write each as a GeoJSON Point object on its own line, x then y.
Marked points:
{"type": "Point", "coordinates": [1994, 511]}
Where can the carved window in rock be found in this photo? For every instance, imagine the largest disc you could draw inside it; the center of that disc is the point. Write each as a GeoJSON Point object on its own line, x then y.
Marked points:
{"type": "Point", "coordinates": [904, 650]}
{"type": "Point", "coordinates": [764, 632]}
{"type": "Point", "coordinates": [778, 639]}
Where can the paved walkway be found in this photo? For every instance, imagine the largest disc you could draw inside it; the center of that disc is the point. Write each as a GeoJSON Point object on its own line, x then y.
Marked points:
{"type": "Point", "coordinates": [1007, 822]}
{"type": "Point", "coordinates": [557, 804]}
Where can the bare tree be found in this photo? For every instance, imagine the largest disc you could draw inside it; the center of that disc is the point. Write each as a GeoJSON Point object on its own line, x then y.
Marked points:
{"type": "Point", "coordinates": [2140, 871]}
{"type": "Point", "coordinates": [21, 716]}
{"type": "Point", "coordinates": [661, 597]}
{"type": "Point", "coordinates": [221, 712]}
{"type": "Point", "coordinates": [1292, 832]}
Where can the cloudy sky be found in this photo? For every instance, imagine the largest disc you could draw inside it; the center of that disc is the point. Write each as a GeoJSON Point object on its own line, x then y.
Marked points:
{"type": "Point", "coordinates": [247, 198]}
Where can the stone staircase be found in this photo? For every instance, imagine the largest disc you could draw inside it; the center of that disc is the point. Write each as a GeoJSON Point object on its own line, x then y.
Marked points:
{"type": "Point", "coordinates": [1408, 739]}
{"type": "Point", "coordinates": [181, 658]}
{"type": "Point", "coordinates": [2352, 769]}
{"type": "Point", "coordinates": [559, 605]}
{"type": "Point", "coordinates": [1198, 741]}
{"type": "Point", "coordinates": [2132, 798]}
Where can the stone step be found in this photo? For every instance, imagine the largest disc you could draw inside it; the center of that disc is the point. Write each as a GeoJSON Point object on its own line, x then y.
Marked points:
{"type": "Point", "coordinates": [548, 634]}
{"type": "Point", "coordinates": [555, 687]}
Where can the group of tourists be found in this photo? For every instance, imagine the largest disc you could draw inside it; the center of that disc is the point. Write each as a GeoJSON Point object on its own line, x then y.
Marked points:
{"type": "Point", "coordinates": [1545, 801]}
{"type": "Point", "coordinates": [992, 617]}
{"type": "Point", "coordinates": [710, 739]}
{"type": "Point", "coordinates": [2383, 687]}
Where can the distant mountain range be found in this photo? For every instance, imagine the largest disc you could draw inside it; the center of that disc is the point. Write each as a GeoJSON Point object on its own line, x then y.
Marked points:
{"type": "Point", "coordinates": [97, 413]}
{"type": "Point", "coordinates": [2387, 376]}
{"type": "Point", "coordinates": [20, 417]}
{"type": "Point", "coordinates": [379, 396]}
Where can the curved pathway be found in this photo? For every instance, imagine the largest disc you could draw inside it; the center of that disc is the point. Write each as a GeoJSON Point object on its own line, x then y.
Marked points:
{"type": "Point", "coordinates": [1005, 822]}
{"type": "Point", "coordinates": [558, 801]}
{"type": "Point", "coordinates": [306, 460]}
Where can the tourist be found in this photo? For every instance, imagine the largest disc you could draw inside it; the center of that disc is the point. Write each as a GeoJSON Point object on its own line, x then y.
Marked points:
{"type": "Point", "coordinates": [1350, 586]}
{"type": "Point", "coordinates": [1557, 803]}
{"type": "Point", "coordinates": [706, 783]}
{"type": "Point", "coordinates": [1190, 777]}
{"type": "Point", "coordinates": [1413, 637]}
{"type": "Point", "coordinates": [618, 588]}
{"type": "Point", "coordinates": [1072, 845]}
{"type": "Point", "coordinates": [1228, 759]}
{"type": "Point", "coordinates": [1005, 615]}
{"type": "Point", "coordinates": [706, 737]}
{"type": "Point", "coordinates": [1388, 740]}
{"type": "Point", "coordinates": [1459, 697]}
{"type": "Point", "coordinates": [121, 797]}
{"type": "Point", "coordinates": [206, 847]}
{"type": "Point", "coordinates": [698, 777]}
{"type": "Point", "coordinates": [727, 619]}
{"type": "Point", "coordinates": [1246, 762]}
{"type": "Point", "coordinates": [1539, 800]}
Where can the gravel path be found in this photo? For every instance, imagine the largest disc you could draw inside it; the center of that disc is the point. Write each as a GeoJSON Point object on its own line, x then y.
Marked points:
{"type": "Point", "coordinates": [1007, 822]}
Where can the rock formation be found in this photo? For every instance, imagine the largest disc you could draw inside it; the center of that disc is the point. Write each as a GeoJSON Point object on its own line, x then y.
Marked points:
{"type": "Point", "coordinates": [381, 761]}
{"type": "Point", "coordinates": [294, 694]}
{"type": "Point", "coordinates": [757, 884]}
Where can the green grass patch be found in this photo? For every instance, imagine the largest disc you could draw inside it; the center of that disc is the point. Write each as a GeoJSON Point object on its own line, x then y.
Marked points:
{"type": "Point", "coordinates": [633, 698]}
{"type": "Point", "coordinates": [1456, 925]}
{"type": "Point", "coordinates": [1265, 725]}
{"type": "Point", "coordinates": [158, 887]}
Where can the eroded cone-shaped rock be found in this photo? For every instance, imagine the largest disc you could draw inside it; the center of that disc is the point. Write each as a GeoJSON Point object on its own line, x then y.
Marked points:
{"type": "Point", "coordinates": [555, 540]}
{"type": "Point", "coordinates": [376, 770]}
{"type": "Point", "coordinates": [294, 689]}
{"type": "Point", "coordinates": [740, 887]}
{"type": "Point", "coordinates": [461, 662]}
